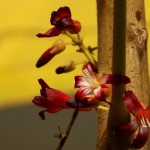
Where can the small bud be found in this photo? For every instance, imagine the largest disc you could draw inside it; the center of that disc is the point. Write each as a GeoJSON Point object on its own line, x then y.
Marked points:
{"type": "Point", "coordinates": [58, 47]}
{"type": "Point", "coordinates": [77, 27]}
{"type": "Point", "coordinates": [66, 67]}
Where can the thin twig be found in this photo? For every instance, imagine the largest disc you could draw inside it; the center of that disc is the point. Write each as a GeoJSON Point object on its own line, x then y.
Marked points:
{"type": "Point", "coordinates": [65, 135]}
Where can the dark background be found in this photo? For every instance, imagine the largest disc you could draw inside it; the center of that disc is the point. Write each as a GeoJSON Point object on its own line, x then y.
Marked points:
{"type": "Point", "coordinates": [21, 129]}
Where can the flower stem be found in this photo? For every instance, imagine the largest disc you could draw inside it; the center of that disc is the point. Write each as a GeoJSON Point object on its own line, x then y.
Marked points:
{"type": "Point", "coordinates": [78, 41]}
{"type": "Point", "coordinates": [65, 135]}
{"type": "Point", "coordinates": [80, 62]}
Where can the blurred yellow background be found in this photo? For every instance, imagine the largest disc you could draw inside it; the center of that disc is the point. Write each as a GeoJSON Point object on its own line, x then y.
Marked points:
{"type": "Point", "coordinates": [20, 48]}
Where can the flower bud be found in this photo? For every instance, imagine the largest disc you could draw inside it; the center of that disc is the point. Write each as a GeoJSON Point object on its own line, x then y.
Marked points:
{"type": "Point", "coordinates": [77, 27]}
{"type": "Point", "coordinates": [66, 67]}
{"type": "Point", "coordinates": [58, 47]}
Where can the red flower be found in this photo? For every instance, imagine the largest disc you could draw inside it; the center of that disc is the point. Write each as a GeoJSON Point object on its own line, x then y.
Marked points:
{"type": "Point", "coordinates": [51, 99]}
{"type": "Point", "coordinates": [141, 120]}
{"type": "Point", "coordinates": [89, 82]}
{"type": "Point", "coordinates": [62, 21]}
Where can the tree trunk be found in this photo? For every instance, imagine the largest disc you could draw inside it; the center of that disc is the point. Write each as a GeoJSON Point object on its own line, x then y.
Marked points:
{"type": "Point", "coordinates": [126, 54]}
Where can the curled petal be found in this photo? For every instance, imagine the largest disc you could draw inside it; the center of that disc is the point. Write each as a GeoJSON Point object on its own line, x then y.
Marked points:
{"type": "Point", "coordinates": [50, 33]}
{"type": "Point", "coordinates": [41, 115]}
{"type": "Point", "coordinates": [81, 81]}
{"type": "Point", "coordinates": [60, 13]}
{"type": "Point", "coordinates": [90, 67]}
{"type": "Point", "coordinates": [141, 138]}
{"type": "Point", "coordinates": [132, 103]}
{"type": "Point", "coordinates": [127, 130]}
{"type": "Point", "coordinates": [89, 70]}
{"type": "Point", "coordinates": [81, 93]}
{"type": "Point", "coordinates": [43, 84]}
{"type": "Point", "coordinates": [115, 79]}
{"type": "Point", "coordinates": [45, 58]}
{"type": "Point", "coordinates": [49, 110]}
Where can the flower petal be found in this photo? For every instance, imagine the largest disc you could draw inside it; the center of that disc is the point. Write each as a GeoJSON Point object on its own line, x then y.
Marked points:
{"type": "Point", "coordinates": [81, 81]}
{"type": "Point", "coordinates": [41, 115]}
{"type": "Point", "coordinates": [41, 101]}
{"type": "Point", "coordinates": [127, 130]}
{"type": "Point", "coordinates": [44, 86]}
{"type": "Point", "coordinates": [90, 67]}
{"type": "Point", "coordinates": [81, 93]}
{"type": "Point", "coordinates": [89, 70]}
{"type": "Point", "coordinates": [132, 103]}
{"type": "Point", "coordinates": [45, 58]}
{"type": "Point", "coordinates": [58, 99]}
{"type": "Point", "coordinates": [43, 83]}
{"type": "Point", "coordinates": [141, 138]}
{"type": "Point", "coordinates": [60, 13]}
{"type": "Point", "coordinates": [99, 94]}
{"type": "Point", "coordinates": [53, 99]}
{"type": "Point", "coordinates": [115, 79]}
{"type": "Point", "coordinates": [50, 33]}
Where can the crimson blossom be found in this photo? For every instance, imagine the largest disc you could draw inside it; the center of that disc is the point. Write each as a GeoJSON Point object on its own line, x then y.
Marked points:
{"type": "Point", "coordinates": [54, 100]}
{"type": "Point", "coordinates": [89, 82]}
{"type": "Point", "coordinates": [141, 120]}
{"type": "Point", "coordinates": [62, 21]}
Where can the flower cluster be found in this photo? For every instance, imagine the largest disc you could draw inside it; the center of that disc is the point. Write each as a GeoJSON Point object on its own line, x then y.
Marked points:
{"type": "Point", "coordinates": [92, 91]}
{"type": "Point", "coordinates": [62, 21]}
{"type": "Point", "coordinates": [54, 100]}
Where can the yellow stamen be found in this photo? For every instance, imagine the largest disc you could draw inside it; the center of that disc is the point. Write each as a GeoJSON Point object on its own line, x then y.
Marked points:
{"type": "Point", "coordinates": [102, 107]}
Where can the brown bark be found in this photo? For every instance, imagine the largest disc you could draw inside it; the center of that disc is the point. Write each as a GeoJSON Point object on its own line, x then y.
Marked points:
{"type": "Point", "coordinates": [136, 67]}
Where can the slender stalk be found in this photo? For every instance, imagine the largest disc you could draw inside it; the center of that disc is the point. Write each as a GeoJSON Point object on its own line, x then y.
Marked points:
{"type": "Point", "coordinates": [65, 135]}
{"type": "Point", "coordinates": [78, 41]}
